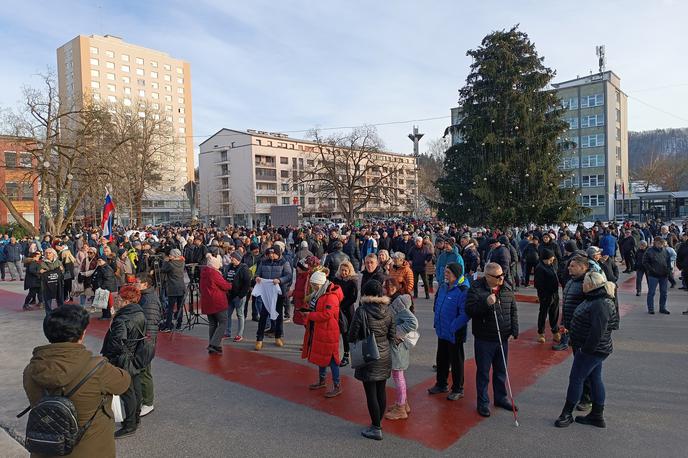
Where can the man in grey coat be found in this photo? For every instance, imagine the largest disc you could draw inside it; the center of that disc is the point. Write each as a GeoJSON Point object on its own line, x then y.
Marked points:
{"type": "Point", "coordinates": [13, 258]}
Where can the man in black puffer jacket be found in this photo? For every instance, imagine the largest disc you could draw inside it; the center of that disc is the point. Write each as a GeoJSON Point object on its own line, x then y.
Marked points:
{"type": "Point", "coordinates": [335, 258]}
{"type": "Point", "coordinates": [572, 296]}
{"type": "Point", "coordinates": [591, 336]}
{"type": "Point", "coordinates": [487, 295]}
{"type": "Point", "coordinates": [152, 309]}
{"type": "Point", "coordinates": [501, 255]}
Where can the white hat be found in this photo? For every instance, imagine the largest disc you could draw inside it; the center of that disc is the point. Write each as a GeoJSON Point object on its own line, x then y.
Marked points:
{"type": "Point", "coordinates": [318, 278]}
{"type": "Point", "coordinates": [214, 261]}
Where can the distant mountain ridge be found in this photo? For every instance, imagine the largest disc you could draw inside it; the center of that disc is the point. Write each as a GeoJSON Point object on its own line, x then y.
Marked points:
{"type": "Point", "coordinates": [663, 142]}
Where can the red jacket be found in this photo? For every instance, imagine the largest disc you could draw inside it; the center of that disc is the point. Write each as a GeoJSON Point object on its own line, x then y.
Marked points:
{"type": "Point", "coordinates": [321, 341]}
{"type": "Point", "coordinates": [213, 289]}
{"type": "Point", "coordinates": [299, 293]}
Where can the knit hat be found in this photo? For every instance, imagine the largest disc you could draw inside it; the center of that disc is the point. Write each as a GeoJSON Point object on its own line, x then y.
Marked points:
{"type": "Point", "coordinates": [570, 246]}
{"type": "Point", "coordinates": [455, 269]}
{"type": "Point", "coordinates": [175, 252]}
{"type": "Point", "coordinates": [254, 246]}
{"type": "Point", "coordinates": [279, 244]}
{"type": "Point", "coordinates": [592, 251]}
{"type": "Point", "coordinates": [236, 255]}
{"type": "Point", "coordinates": [372, 288]}
{"type": "Point", "coordinates": [547, 253]}
{"type": "Point", "coordinates": [213, 261]}
{"type": "Point", "coordinates": [303, 244]}
{"type": "Point", "coordinates": [318, 278]}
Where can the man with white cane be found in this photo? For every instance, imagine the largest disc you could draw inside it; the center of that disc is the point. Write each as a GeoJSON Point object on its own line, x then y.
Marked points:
{"type": "Point", "coordinates": [492, 306]}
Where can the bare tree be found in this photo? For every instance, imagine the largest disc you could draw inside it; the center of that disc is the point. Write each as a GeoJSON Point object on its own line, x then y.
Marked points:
{"type": "Point", "coordinates": [651, 172]}
{"type": "Point", "coordinates": [430, 169]}
{"type": "Point", "coordinates": [351, 169]}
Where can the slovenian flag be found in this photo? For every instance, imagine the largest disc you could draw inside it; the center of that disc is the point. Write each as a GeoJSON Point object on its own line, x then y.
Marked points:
{"type": "Point", "coordinates": [108, 216]}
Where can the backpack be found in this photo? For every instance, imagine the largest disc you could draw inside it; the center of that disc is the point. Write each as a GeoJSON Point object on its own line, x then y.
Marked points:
{"type": "Point", "coordinates": [52, 428]}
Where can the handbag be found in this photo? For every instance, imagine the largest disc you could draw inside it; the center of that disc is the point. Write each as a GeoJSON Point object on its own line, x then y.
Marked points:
{"type": "Point", "coordinates": [365, 350]}
{"type": "Point", "coordinates": [100, 300]}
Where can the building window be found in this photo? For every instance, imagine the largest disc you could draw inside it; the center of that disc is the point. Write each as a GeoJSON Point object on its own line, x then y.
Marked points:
{"type": "Point", "coordinates": [570, 103]}
{"type": "Point", "coordinates": [180, 80]}
{"type": "Point", "coordinates": [95, 84]}
{"type": "Point", "coordinates": [168, 98]}
{"type": "Point", "coordinates": [180, 120]}
{"type": "Point", "coordinates": [111, 87]}
{"type": "Point", "coordinates": [124, 68]}
{"type": "Point", "coordinates": [154, 74]}
{"type": "Point", "coordinates": [310, 162]}
{"type": "Point", "coordinates": [95, 73]}
{"type": "Point", "coordinates": [311, 201]}
{"type": "Point", "coordinates": [573, 123]}
{"type": "Point", "coordinates": [127, 102]}
{"type": "Point", "coordinates": [285, 201]}
{"type": "Point", "coordinates": [93, 50]}
{"type": "Point", "coordinates": [10, 159]}
{"type": "Point", "coordinates": [109, 54]}
{"type": "Point", "coordinates": [618, 97]}
{"type": "Point", "coordinates": [591, 141]}
{"type": "Point", "coordinates": [112, 99]}
{"type": "Point", "coordinates": [154, 85]}
{"type": "Point", "coordinates": [141, 82]}
{"type": "Point", "coordinates": [284, 173]}
{"type": "Point", "coordinates": [618, 171]}
{"type": "Point", "coordinates": [142, 93]}
{"type": "Point", "coordinates": [180, 100]}
{"type": "Point", "coordinates": [140, 72]}
{"type": "Point", "coordinates": [618, 134]}
{"type": "Point", "coordinates": [284, 160]}
{"type": "Point", "coordinates": [180, 90]}
{"type": "Point", "coordinates": [266, 200]}
{"type": "Point", "coordinates": [127, 91]}
{"type": "Point", "coordinates": [168, 107]}
{"type": "Point", "coordinates": [110, 65]}
{"type": "Point", "coordinates": [125, 57]}
{"type": "Point", "coordinates": [285, 187]}
{"type": "Point", "coordinates": [155, 95]}
{"type": "Point", "coordinates": [618, 115]}
{"type": "Point", "coordinates": [167, 67]}
{"type": "Point", "coordinates": [258, 141]}
{"type": "Point", "coordinates": [182, 130]}
{"type": "Point", "coordinates": [96, 96]}
{"type": "Point", "coordinates": [593, 160]}
{"type": "Point", "coordinates": [94, 61]}
{"type": "Point", "coordinates": [618, 153]}
{"type": "Point", "coordinates": [570, 182]}
{"type": "Point", "coordinates": [126, 80]}
{"type": "Point", "coordinates": [139, 61]}
{"type": "Point", "coordinates": [110, 76]}
{"type": "Point", "coordinates": [180, 71]}
{"type": "Point", "coordinates": [590, 181]}
{"type": "Point", "coordinates": [592, 121]}
{"type": "Point", "coordinates": [593, 201]}
{"type": "Point", "coordinates": [167, 78]}
{"type": "Point", "coordinates": [168, 88]}
{"type": "Point", "coordinates": [593, 100]}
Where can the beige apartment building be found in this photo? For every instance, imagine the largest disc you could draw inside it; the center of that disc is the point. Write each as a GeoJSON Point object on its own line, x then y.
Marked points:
{"type": "Point", "coordinates": [109, 69]}
{"type": "Point", "coordinates": [243, 174]}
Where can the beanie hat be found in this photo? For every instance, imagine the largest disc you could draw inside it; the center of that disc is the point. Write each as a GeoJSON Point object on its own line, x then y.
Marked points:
{"type": "Point", "coordinates": [254, 246]}
{"type": "Point", "coordinates": [318, 277]}
{"type": "Point", "coordinates": [547, 253]}
{"type": "Point", "coordinates": [372, 288]}
{"type": "Point", "coordinates": [236, 255]}
{"type": "Point", "coordinates": [570, 246]}
{"type": "Point", "coordinates": [455, 269]}
{"type": "Point", "coordinates": [175, 252]}
{"type": "Point", "coordinates": [592, 251]}
{"type": "Point", "coordinates": [214, 261]}
{"type": "Point", "coordinates": [279, 244]}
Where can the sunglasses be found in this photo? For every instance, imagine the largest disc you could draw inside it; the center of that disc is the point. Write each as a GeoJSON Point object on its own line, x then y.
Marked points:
{"type": "Point", "coordinates": [497, 276]}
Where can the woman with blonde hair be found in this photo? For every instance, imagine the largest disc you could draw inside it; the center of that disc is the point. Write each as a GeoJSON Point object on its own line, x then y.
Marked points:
{"type": "Point", "coordinates": [68, 262]}
{"type": "Point", "coordinates": [347, 280]}
{"type": "Point", "coordinates": [385, 261]}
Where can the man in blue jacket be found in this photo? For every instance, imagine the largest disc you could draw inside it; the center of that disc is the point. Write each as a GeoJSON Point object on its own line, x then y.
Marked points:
{"type": "Point", "coordinates": [277, 270]}
{"type": "Point", "coordinates": [450, 254]}
{"type": "Point", "coordinates": [608, 244]}
{"type": "Point", "coordinates": [450, 325]}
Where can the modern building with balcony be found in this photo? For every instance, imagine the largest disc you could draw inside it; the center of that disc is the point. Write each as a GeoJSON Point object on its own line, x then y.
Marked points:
{"type": "Point", "coordinates": [243, 174]}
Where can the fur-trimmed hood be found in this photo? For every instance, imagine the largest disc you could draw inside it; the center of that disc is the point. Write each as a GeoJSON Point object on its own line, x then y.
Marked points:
{"type": "Point", "coordinates": [375, 300]}
{"type": "Point", "coordinates": [376, 306]}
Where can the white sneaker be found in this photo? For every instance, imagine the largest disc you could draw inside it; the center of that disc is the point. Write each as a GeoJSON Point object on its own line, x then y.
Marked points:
{"type": "Point", "coordinates": [145, 410]}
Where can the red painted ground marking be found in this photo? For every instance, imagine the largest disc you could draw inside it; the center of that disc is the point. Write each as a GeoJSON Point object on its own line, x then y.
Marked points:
{"type": "Point", "coordinates": [526, 298]}
{"type": "Point", "coordinates": [433, 422]}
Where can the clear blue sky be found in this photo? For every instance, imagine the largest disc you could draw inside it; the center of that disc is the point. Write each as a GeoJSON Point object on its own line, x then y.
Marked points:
{"type": "Point", "coordinates": [292, 65]}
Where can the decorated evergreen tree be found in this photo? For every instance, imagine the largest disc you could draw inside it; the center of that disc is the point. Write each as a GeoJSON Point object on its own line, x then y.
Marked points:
{"type": "Point", "coordinates": [504, 171]}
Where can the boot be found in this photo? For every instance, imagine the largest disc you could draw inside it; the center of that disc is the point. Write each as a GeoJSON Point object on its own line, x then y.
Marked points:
{"type": "Point", "coordinates": [397, 413]}
{"type": "Point", "coordinates": [556, 337]}
{"type": "Point", "coordinates": [279, 342]}
{"type": "Point", "coordinates": [407, 407]}
{"type": "Point", "coordinates": [594, 418]}
{"type": "Point", "coordinates": [335, 391]}
{"type": "Point", "coordinates": [318, 385]}
{"type": "Point", "coordinates": [541, 338]}
{"type": "Point", "coordinates": [563, 344]}
{"type": "Point", "coordinates": [391, 407]}
{"type": "Point", "coordinates": [566, 417]}
{"type": "Point", "coordinates": [259, 345]}
{"type": "Point", "coordinates": [345, 360]}
{"type": "Point", "coordinates": [372, 432]}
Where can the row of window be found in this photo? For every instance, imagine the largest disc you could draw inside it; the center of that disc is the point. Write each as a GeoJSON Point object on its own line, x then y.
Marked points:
{"type": "Point", "coordinates": [586, 121]}
{"type": "Point", "coordinates": [126, 58]}
{"type": "Point", "coordinates": [14, 159]}
{"type": "Point", "coordinates": [19, 191]}
{"type": "Point", "coordinates": [127, 69]}
{"type": "Point", "coordinates": [592, 160]}
{"type": "Point", "coordinates": [312, 149]}
{"type": "Point", "coordinates": [587, 181]}
{"type": "Point", "coordinates": [586, 101]}
{"type": "Point", "coordinates": [592, 141]}
{"type": "Point", "coordinates": [593, 201]}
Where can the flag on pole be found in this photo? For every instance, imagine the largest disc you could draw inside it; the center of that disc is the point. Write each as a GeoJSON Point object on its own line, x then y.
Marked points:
{"type": "Point", "coordinates": [108, 216]}
{"type": "Point", "coordinates": [623, 190]}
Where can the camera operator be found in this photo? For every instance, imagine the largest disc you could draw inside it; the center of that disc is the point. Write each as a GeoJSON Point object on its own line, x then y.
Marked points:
{"type": "Point", "coordinates": [173, 270]}
{"type": "Point", "coordinates": [146, 258]}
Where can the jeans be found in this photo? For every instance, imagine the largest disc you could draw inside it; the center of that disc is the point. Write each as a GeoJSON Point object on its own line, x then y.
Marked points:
{"type": "Point", "coordinates": [265, 315]}
{"type": "Point", "coordinates": [15, 270]}
{"type": "Point", "coordinates": [236, 304]}
{"type": "Point", "coordinates": [487, 354]}
{"type": "Point", "coordinates": [334, 368]}
{"type": "Point", "coordinates": [217, 323]}
{"type": "Point", "coordinates": [584, 367]}
{"type": "Point", "coordinates": [400, 384]}
{"type": "Point", "coordinates": [451, 356]}
{"type": "Point", "coordinates": [639, 281]}
{"type": "Point", "coordinates": [169, 313]}
{"type": "Point", "coordinates": [652, 283]}
{"type": "Point", "coordinates": [132, 403]}
{"type": "Point", "coordinates": [549, 308]}
{"type": "Point", "coordinates": [147, 393]}
{"type": "Point", "coordinates": [526, 275]}
{"type": "Point", "coordinates": [424, 276]}
{"type": "Point", "coordinates": [48, 302]}
{"type": "Point", "coordinates": [376, 398]}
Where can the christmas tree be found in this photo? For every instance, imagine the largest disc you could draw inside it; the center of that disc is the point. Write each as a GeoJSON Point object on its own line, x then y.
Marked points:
{"type": "Point", "coordinates": [504, 171]}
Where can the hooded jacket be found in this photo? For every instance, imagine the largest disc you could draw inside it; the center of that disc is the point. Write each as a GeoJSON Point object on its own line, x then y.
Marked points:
{"type": "Point", "coordinates": [58, 368]}
{"type": "Point", "coordinates": [445, 258]}
{"type": "Point", "coordinates": [593, 322]}
{"type": "Point", "coordinates": [381, 325]}
{"type": "Point", "coordinates": [213, 288]}
{"type": "Point", "coordinates": [404, 322]}
{"type": "Point", "coordinates": [127, 328]}
{"type": "Point", "coordinates": [450, 310]}
{"type": "Point", "coordinates": [321, 340]}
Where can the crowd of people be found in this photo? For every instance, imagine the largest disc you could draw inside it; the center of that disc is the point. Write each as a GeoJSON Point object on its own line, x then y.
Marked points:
{"type": "Point", "coordinates": [343, 285]}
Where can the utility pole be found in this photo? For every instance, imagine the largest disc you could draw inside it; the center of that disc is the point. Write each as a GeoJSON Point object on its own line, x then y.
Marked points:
{"type": "Point", "coordinates": [415, 137]}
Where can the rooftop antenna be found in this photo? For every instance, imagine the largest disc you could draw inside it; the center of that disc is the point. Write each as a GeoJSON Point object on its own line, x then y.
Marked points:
{"type": "Point", "coordinates": [601, 58]}
{"type": "Point", "coordinates": [415, 138]}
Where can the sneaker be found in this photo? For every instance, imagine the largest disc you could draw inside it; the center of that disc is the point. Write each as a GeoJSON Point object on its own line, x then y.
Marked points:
{"type": "Point", "coordinates": [584, 406]}
{"type": "Point", "coordinates": [145, 410]}
{"type": "Point", "coordinates": [455, 395]}
{"type": "Point", "coordinates": [345, 360]}
{"type": "Point", "coordinates": [318, 385]}
{"type": "Point", "coordinates": [541, 338]}
{"type": "Point", "coordinates": [372, 432]}
{"type": "Point", "coordinates": [238, 339]}
{"type": "Point", "coordinates": [438, 390]}
{"type": "Point", "coordinates": [124, 432]}
{"type": "Point", "coordinates": [287, 320]}
{"type": "Point", "coordinates": [665, 312]}
{"type": "Point", "coordinates": [685, 312]}
{"type": "Point", "coordinates": [637, 294]}
{"type": "Point", "coordinates": [651, 312]}
{"type": "Point", "coordinates": [556, 337]}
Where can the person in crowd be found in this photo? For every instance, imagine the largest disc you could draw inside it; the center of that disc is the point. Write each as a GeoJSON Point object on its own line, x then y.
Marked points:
{"type": "Point", "coordinates": [32, 280]}
{"type": "Point", "coordinates": [371, 270]}
{"type": "Point", "coordinates": [638, 267]}
{"type": "Point", "coordinates": [104, 278]}
{"type": "Point", "coordinates": [628, 246]}
{"type": "Point", "coordinates": [213, 300]}
{"type": "Point", "coordinates": [173, 271]}
{"type": "Point", "coordinates": [682, 259]}
{"type": "Point", "coordinates": [277, 270]}
{"type": "Point", "coordinates": [12, 252]}
{"type": "Point", "coordinates": [125, 269]}
{"type": "Point", "coordinates": [3, 256]}
{"type": "Point", "coordinates": [419, 256]}
{"type": "Point", "coordinates": [406, 325]}
{"type": "Point", "coordinates": [470, 258]}
{"type": "Point", "coordinates": [547, 286]}
{"type": "Point", "coordinates": [549, 243]}
{"type": "Point", "coordinates": [352, 250]}
{"type": "Point", "coordinates": [608, 244]}
{"type": "Point", "coordinates": [486, 296]}
{"type": "Point", "coordinates": [669, 247]}
{"type": "Point", "coordinates": [374, 375]}
{"type": "Point", "coordinates": [64, 362]}
{"type": "Point", "coordinates": [321, 340]}
{"type": "Point", "coordinates": [401, 270]}
{"type": "Point", "coordinates": [531, 253]}
{"type": "Point", "coordinates": [240, 278]}
{"type": "Point", "coordinates": [385, 261]}
{"type": "Point", "coordinates": [347, 280]}
{"type": "Point", "coordinates": [303, 273]}
{"type": "Point", "coordinates": [570, 249]}
{"type": "Point", "coordinates": [303, 252]}
{"type": "Point", "coordinates": [335, 258]}
{"type": "Point", "coordinates": [87, 267]}
{"type": "Point", "coordinates": [657, 265]}
{"type": "Point", "coordinates": [52, 272]}
{"type": "Point", "coordinates": [127, 330]}
{"type": "Point", "coordinates": [448, 256]}
{"type": "Point", "coordinates": [450, 323]}
{"type": "Point", "coordinates": [151, 306]}
{"type": "Point", "coordinates": [501, 255]}
{"type": "Point", "coordinates": [68, 262]}
{"type": "Point", "coordinates": [591, 336]}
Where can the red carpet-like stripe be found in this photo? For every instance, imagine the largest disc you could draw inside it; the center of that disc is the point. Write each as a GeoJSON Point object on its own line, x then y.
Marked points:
{"type": "Point", "coordinates": [433, 422]}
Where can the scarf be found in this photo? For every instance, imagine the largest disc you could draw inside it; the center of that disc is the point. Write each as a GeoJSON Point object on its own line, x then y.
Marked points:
{"type": "Point", "coordinates": [312, 302]}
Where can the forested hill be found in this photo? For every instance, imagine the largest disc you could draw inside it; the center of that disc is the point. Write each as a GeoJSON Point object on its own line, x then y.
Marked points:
{"type": "Point", "coordinates": [662, 142]}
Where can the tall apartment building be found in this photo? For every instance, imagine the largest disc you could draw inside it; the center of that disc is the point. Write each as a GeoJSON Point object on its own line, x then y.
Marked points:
{"type": "Point", "coordinates": [596, 110]}
{"type": "Point", "coordinates": [17, 179]}
{"type": "Point", "coordinates": [242, 175]}
{"type": "Point", "coordinates": [109, 69]}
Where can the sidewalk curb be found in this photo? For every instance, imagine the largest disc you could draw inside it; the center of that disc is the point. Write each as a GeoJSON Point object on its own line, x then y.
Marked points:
{"type": "Point", "coordinates": [10, 447]}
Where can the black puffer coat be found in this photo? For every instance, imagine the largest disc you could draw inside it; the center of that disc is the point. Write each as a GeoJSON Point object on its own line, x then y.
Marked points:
{"type": "Point", "coordinates": [104, 277]}
{"type": "Point", "coordinates": [593, 322]}
{"type": "Point", "coordinates": [119, 345]}
{"type": "Point", "coordinates": [573, 296]}
{"type": "Point", "coordinates": [333, 261]}
{"type": "Point", "coordinates": [32, 279]}
{"type": "Point", "coordinates": [376, 274]}
{"type": "Point", "coordinates": [150, 303]}
{"type": "Point", "coordinates": [484, 326]}
{"type": "Point", "coordinates": [381, 324]}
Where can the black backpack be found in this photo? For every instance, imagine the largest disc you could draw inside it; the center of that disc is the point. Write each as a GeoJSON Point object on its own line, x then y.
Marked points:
{"type": "Point", "coordinates": [52, 428]}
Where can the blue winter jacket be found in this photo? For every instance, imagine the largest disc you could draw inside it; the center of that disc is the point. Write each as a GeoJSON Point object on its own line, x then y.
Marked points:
{"type": "Point", "coordinates": [450, 309]}
{"type": "Point", "coordinates": [608, 245]}
{"type": "Point", "coordinates": [447, 258]}
{"type": "Point", "coordinates": [280, 268]}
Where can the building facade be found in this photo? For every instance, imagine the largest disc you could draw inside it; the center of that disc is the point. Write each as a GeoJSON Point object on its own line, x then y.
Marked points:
{"type": "Point", "coordinates": [242, 175]}
{"type": "Point", "coordinates": [18, 180]}
{"type": "Point", "coordinates": [108, 69]}
{"type": "Point", "coordinates": [596, 111]}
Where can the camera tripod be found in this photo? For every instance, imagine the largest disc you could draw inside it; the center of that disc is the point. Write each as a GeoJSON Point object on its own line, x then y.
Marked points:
{"type": "Point", "coordinates": [193, 308]}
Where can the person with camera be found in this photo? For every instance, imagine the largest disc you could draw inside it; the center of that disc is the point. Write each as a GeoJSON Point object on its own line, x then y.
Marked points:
{"type": "Point", "coordinates": [127, 330]}
{"type": "Point", "coordinates": [175, 288]}
{"type": "Point", "coordinates": [62, 364]}
{"type": "Point", "coordinates": [150, 303]}
{"type": "Point", "coordinates": [104, 278]}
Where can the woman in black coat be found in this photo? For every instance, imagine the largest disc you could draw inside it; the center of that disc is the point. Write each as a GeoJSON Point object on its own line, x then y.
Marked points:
{"type": "Point", "coordinates": [32, 279]}
{"type": "Point", "coordinates": [104, 277]}
{"type": "Point", "coordinates": [347, 280]}
{"type": "Point", "coordinates": [374, 375]}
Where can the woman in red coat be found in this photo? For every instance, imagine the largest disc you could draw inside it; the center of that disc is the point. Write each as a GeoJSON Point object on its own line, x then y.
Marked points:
{"type": "Point", "coordinates": [213, 288]}
{"type": "Point", "coordinates": [321, 341]}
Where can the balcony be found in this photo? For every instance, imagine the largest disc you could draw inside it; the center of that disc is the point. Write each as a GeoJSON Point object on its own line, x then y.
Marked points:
{"type": "Point", "coordinates": [266, 192]}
